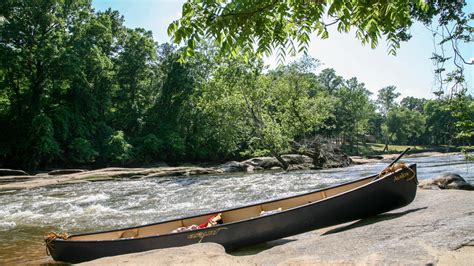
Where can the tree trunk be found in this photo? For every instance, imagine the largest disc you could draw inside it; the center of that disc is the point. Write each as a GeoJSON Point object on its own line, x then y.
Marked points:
{"type": "Point", "coordinates": [385, 149]}
{"type": "Point", "coordinates": [259, 124]}
{"type": "Point", "coordinates": [284, 164]}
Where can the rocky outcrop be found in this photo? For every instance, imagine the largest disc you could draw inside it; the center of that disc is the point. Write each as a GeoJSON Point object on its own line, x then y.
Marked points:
{"type": "Point", "coordinates": [12, 172]}
{"type": "Point", "coordinates": [324, 154]}
{"type": "Point", "coordinates": [446, 181]}
{"type": "Point", "coordinates": [334, 157]}
{"type": "Point", "coordinates": [378, 157]}
{"type": "Point", "coordinates": [263, 162]}
{"type": "Point", "coordinates": [428, 231]}
{"type": "Point", "coordinates": [233, 166]}
{"type": "Point", "coordinates": [297, 159]}
{"type": "Point", "coordinates": [41, 180]}
{"type": "Point", "coordinates": [296, 162]}
{"type": "Point", "coordinates": [68, 176]}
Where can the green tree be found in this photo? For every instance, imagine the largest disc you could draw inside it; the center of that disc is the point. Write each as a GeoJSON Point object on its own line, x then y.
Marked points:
{"type": "Point", "coordinates": [136, 90]}
{"type": "Point", "coordinates": [34, 35]}
{"type": "Point", "coordinates": [386, 102]}
{"type": "Point", "coordinates": [405, 126]}
{"type": "Point", "coordinates": [462, 110]}
{"type": "Point", "coordinates": [119, 150]}
{"type": "Point", "coordinates": [329, 80]}
{"type": "Point", "coordinates": [354, 110]}
{"type": "Point", "coordinates": [251, 26]}
{"type": "Point", "coordinates": [440, 122]}
{"type": "Point", "coordinates": [81, 151]}
{"type": "Point", "coordinates": [413, 103]}
{"type": "Point", "coordinates": [265, 111]}
{"type": "Point", "coordinates": [41, 147]}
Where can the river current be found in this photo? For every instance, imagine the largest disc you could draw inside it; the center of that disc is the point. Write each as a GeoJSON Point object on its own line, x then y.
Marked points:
{"type": "Point", "coordinates": [26, 215]}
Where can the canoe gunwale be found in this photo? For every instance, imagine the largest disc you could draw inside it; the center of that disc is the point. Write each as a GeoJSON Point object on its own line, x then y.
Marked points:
{"type": "Point", "coordinates": [237, 208]}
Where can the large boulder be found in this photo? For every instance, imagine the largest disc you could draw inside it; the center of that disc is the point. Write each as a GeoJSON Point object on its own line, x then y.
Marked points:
{"type": "Point", "coordinates": [332, 156]}
{"type": "Point", "coordinates": [446, 181]}
{"type": "Point", "coordinates": [297, 159]}
{"type": "Point", "coordinates": [233, 166]}
{"type": "Point", "coordinates": [324, 154]}
{"type": "Point", "coordinates": [8, 172]}
{"type": "Point", "coordinates": [263, 162]}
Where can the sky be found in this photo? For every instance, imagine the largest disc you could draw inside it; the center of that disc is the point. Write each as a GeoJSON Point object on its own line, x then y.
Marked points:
{"type": "Point", "coordinates": [411, 70]}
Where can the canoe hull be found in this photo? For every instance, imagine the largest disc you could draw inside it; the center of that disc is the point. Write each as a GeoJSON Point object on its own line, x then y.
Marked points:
{"type": "Point", "coordinates": [391, 192]}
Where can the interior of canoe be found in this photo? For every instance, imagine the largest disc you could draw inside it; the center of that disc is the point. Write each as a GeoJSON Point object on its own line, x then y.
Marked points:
{"type": "Point", "coordinates": [228, 216]}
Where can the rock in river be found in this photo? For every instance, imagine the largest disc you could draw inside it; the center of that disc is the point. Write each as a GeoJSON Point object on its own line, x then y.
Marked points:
{"type": "Point", "coordinates": [264, 162]}
{"type": "Point", "coordinates": [233, 166]}
{"type": "Point", "coordinates": [446, 181]}
{"type": "Point", "coordinates": [298, 160]}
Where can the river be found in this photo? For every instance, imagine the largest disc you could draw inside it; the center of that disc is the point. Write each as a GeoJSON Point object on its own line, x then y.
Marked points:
{"type": "Point", "coordinates": [27, 214]}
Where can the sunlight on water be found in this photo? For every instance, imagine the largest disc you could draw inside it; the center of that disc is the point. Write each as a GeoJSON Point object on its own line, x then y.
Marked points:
{"type": "Point", "coordinates": [26, 215]}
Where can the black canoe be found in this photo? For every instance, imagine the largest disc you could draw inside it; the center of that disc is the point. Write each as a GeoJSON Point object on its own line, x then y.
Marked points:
{"type": "Point", "coordinates": [244, 226]}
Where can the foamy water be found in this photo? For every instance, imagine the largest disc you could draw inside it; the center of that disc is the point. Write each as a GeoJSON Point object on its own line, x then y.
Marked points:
{"type": "Point", "coordinates": [27, 214]}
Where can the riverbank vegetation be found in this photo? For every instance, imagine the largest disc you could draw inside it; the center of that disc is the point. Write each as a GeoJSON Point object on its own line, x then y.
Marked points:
{"type": "Point", "coordinates": [78, 88]}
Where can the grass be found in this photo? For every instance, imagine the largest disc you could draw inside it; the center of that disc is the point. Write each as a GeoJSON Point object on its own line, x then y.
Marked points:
{"type": "Point", "coordinates": [377, 148]}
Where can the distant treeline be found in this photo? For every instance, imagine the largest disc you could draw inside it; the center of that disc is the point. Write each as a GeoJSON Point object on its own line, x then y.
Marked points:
{"type": "Point", "coordinates": [78, 88]}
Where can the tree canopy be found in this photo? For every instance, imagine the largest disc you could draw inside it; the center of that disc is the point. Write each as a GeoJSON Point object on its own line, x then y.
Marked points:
{"type": "Point", "coordinates": [261, 26]}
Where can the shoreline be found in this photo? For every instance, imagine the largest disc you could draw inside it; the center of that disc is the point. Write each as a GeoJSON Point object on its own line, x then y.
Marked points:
{"type": "Point", "coordinates": [391, 156]}
{"type": "Point", "coordinates": [8, 183]}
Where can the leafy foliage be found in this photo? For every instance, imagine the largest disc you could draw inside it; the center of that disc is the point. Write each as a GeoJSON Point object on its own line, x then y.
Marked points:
{"type": "Point", "coordinates": [79, 88]}
{"type": "Point", "coordinates": [81, 151]}
{"type": "Point", "coordinates": [118, 149]}
{"type": "Point", "coordinates": [405, 126]}
{"type": "Point", "coordinates": [258, 27]}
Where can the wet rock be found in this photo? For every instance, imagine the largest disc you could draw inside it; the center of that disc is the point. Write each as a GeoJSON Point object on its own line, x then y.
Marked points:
{"type": "Point", "coordinates": [103, 174]}
{"type": "Point", "coordinates": [324, 154]}
{"type": "Point", "coordinates": [297, 159]}
{"type": "Point", "coordinates": [7, 172]}
{"type": "Point", "coordinates": [446, 181]}
{"type": "Point", "coordinates": [263, 162]}
{"type": "Point", "coordinates": [202, 171]}
{"type": "Point", "coordinates": [303, 161]}
{"type": "Point", "coordinates": [251, 169]}
{"type": "Point", "coordinates": [66, 171]}
{"type": "Point", "coordinates": [300, 167]}
{"type": "Point", "coordinates": [378, 157]}
{"type": "Point", "coordinates": [334, 157]}
{"type": "Point", "coordinates": [233, 166]}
